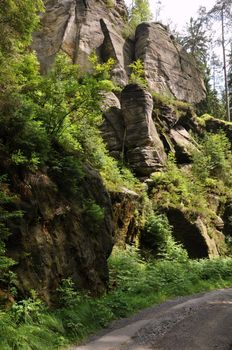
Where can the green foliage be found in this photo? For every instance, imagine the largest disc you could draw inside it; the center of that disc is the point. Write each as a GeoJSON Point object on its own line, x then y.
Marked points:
{"type": "Point", "coordinates": [94, 212]}
{"type": "Point", "coordinates": [137, 73]}
{"type": "Point", "coordinates": [177, 188]}
{"type": "Point", "coordinates": [27, 310]}
{"type": "Point", "coordinates": [67, 295]}
{"type": "Point", "coordinates": [214, 159]}
{"type": "Point", "coordinates": [196, 41]}
{"type": "Point", "coordinates": [157, 238]}
{"type": "Point", "coordinates": [157, 231]}
{"type": "Point", "coordinates": [67, 170]}
{"type": "Point", "coordinates": [135, 284]}
{"type": "Point", "coordinates": [18, 19]}
{"type": "Point", "coordinates": [140, 12]}
{"type": "Point", "coordinates": [6, 214]}
{"type": "Point", "coordinates": [212, 104]}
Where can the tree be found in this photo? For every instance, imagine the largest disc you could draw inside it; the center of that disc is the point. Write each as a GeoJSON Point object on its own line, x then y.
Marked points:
{"type": "Point", "coordinates": [139, 12]}
{"type": "Point", "coordinates": [222, 12]}
{"type": "Point", "coordinates": [196, 39]}
{"type": "Point", "coordinates": [230, 80]}
{"type": "Point", "coordinates": [18, 19]}
{"type": "Point", "coordinates": [212, 104]}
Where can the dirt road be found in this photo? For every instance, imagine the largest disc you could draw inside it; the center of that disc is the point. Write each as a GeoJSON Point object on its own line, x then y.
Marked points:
{"type": "Point", "coordinates": [199, 322]}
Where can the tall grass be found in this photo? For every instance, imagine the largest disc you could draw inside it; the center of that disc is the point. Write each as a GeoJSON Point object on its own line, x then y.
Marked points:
{"type": "Point", "coordinates": [135, 284]}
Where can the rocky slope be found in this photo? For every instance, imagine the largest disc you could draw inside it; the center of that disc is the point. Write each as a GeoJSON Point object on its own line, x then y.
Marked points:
{"type": "Point", "coordinates": [56, 238]}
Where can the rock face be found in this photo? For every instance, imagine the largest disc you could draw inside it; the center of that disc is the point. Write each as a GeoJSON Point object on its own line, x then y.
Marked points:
{"type": "Point", "coordinates": [74, 26]}
{"type": "Point", "coordinates": [81, 27]}
{"type": "Point", "coordinates": [57, 238]}
{"type": "Point", "coordinates": [116, 47]}
{"type": "Point", "coordinates": [125, 211]}
{"type": "Point", "coordinates": [169, 70]}
{"type": "Point", "coordinates": [113, 131]}
{"type": "Point", "coordinates": [193, 235]}
{"type": "Point", "coordinates": [145, 152]}
{"type": "Point", "coordinates": [130, 132]}
{"type": "Point", "coordinates": [183, 144]}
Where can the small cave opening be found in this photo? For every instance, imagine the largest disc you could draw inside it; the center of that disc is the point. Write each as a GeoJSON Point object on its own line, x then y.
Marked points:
{"type": "Point", "coordinates": [188, 234]}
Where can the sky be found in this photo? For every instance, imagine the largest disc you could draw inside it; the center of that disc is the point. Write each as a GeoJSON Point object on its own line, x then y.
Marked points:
{"type": "Point", "coordinates": [178, 11]}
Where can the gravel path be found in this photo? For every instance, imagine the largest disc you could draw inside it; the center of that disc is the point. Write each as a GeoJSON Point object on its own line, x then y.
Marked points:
{"type": "Point", "coordinates": [199, 322]}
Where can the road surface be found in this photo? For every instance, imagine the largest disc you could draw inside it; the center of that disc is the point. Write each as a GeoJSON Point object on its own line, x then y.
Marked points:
{"type": "Point", "coordinates": [199, 322]}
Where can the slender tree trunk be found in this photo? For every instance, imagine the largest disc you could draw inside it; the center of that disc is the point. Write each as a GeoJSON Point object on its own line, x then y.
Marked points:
{"type": "Point", "coordinates": [224, 66]}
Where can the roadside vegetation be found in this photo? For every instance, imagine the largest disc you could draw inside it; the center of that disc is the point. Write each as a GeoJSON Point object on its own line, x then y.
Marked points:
{"type": "Point", "coordinates": [135, 283]}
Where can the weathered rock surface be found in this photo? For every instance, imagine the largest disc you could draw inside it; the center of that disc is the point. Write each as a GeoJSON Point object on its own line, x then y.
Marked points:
{"type": "Point", "coordinates": [81, 27]}
{"type": "Point", "coordinates": [193, 235]}
{"type": "Point", "coordinates": [125, 210]}
{"type": "Point", "coordinates": [74, 26]}
{"type": "Point", "coordinates": [113, 131]}
{"type": "Point", "coordinates": [213, 125]}
{"type": "Point", "coordinates": [56, 238]}
{"type": "Point", "coordinates": [169, 70]}
{"type": "Point", "coordinates": [183, 143]}
{"type": "Point", "coordinates": [130, 132]}
{"type": "Point", "coordinates": [145, 151]}
{"type": "Point", "coordinates": [116, 47]}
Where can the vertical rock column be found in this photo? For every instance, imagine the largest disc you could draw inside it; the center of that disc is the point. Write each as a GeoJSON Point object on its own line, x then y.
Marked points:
{"type": "Point", "coordinates": [145, 151]}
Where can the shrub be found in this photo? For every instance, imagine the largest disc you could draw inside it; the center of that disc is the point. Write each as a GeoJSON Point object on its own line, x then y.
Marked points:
{"type": "Point", "coordinates": [137, 73]}
{"type": "Point", "coordinates": [214, 159]}
{"type": "Point", "coordinates": [157, 238]}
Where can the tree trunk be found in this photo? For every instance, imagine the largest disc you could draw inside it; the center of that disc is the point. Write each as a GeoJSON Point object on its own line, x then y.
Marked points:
{"type": "Point", "coordinates": [224, 66]}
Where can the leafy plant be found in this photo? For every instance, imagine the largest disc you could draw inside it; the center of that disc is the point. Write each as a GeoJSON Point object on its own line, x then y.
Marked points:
{"type": "Point", "coordinates": [94, 212]}
{"type": "Point", "coordinates": [28, 310]}
{"type": "Point", "coordinates": [137, 73]}
{"type": "Point", "coordinates": [157, 238]}
{"type": "Point", "coordinates": [67, 294]}
{"type": "Point", "coordinates": [214, 159]}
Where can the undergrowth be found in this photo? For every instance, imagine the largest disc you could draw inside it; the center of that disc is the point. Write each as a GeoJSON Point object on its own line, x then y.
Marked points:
{"type": "Point", "coordinates": [134, 284]}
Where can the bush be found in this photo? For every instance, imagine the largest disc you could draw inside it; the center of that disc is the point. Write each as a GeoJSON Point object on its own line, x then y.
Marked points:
{"type": "Point", "coordinates": [214, 159]}
{"type": "Point", "coordinates": [157, 238]}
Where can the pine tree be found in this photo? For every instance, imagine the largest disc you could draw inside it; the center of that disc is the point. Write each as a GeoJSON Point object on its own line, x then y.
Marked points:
{"type": "Point", "coordinates": [222, 12]}
{"type": "Point", "coordinates": [195, 41]}
{"type": "Point", "coordinates": [229, 80]}
{"type": "Point", "coordinates": [140, 12]}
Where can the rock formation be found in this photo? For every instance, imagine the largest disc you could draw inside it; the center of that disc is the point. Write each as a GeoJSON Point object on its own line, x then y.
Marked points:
{"type": "Point", "coordinates": [169, 70]}
{"type": "Point", "coordinates": [74, 26]}
{"type": "Point", "coordinates": [80, 29]}
{"type": "Point", "coordinates": [55, 239]}
{"type": "Point", "coordinates": [145, 152]}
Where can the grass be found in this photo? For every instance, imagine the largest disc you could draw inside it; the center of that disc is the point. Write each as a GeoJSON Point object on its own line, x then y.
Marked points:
{"type": "Point", "coordinates": [135, 284]}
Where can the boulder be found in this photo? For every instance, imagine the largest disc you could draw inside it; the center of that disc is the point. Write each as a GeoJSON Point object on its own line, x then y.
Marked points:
{"type": "Point", "coordinates": [183, 144]}
{"type": "Point", "coordinates": [169, 70]}
{"type": "Point", "coordinates": [213, 125]}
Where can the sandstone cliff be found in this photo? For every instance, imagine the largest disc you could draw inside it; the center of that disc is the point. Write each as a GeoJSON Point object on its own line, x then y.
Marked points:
{"type": "Point", "coordinates": [56, 239]}
{"type": "Point", "coordinates": [81, 27]}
